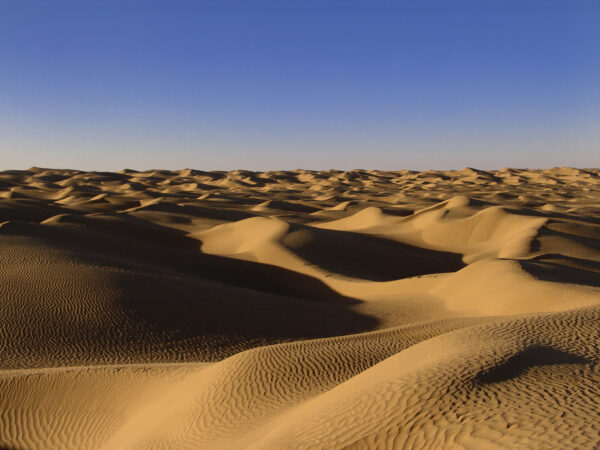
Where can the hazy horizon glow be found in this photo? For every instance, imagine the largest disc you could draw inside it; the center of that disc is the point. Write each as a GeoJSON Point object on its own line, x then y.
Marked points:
{"type": "Point", "coordinates": [284, 85]}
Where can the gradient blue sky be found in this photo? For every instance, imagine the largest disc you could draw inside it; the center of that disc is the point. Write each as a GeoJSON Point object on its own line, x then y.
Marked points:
{"type": "Point", "coordinates": [103, 85]}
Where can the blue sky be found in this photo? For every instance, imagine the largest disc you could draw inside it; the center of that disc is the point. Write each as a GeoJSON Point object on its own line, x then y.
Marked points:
{"type": "Point", "coordinates": [104, 85]}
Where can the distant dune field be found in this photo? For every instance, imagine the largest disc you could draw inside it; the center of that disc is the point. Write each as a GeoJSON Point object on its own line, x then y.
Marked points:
{"type": "Point", "coordinates": [300, 309]}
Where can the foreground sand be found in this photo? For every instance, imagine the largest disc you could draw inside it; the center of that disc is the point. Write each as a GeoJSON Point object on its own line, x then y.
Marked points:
{"type": "Point", "coordinates": [300, 309]}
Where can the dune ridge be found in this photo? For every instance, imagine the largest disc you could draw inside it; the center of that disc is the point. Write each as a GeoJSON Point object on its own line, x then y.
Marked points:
{"type": "Point", "coordinates": [300, 309]}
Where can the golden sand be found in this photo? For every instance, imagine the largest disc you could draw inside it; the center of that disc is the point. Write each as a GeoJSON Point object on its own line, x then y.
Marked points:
{"type": "Point", "coordinates": [300, 309]}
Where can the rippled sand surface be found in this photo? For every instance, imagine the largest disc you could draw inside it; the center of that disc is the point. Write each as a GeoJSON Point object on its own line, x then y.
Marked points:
{"type": "Point", "coordinates": [300, 309]}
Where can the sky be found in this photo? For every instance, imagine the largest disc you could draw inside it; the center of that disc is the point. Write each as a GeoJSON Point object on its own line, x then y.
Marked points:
{"type": "Point", "coordinates": [273, 85]}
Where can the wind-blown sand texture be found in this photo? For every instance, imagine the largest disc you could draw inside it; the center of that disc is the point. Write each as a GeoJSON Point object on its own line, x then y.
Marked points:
{"type": "Point", "coordinates": [300, 309]}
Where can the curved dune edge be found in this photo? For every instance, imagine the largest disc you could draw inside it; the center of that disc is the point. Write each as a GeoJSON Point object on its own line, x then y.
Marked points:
{"type": "Point", "coordinates": [300, 309]}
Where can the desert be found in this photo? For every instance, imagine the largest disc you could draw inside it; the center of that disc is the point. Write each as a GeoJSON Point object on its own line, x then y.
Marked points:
{"type": "Point", "coordinates": [300, 309]}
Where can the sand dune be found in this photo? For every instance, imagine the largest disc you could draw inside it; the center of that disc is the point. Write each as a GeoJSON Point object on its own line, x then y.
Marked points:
{"type": "Point", "coordinates": [300, 309]}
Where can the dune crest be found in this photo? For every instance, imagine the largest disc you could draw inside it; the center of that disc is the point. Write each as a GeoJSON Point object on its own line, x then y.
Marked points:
{"type": "Point", "coordinates": [300, 309]}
